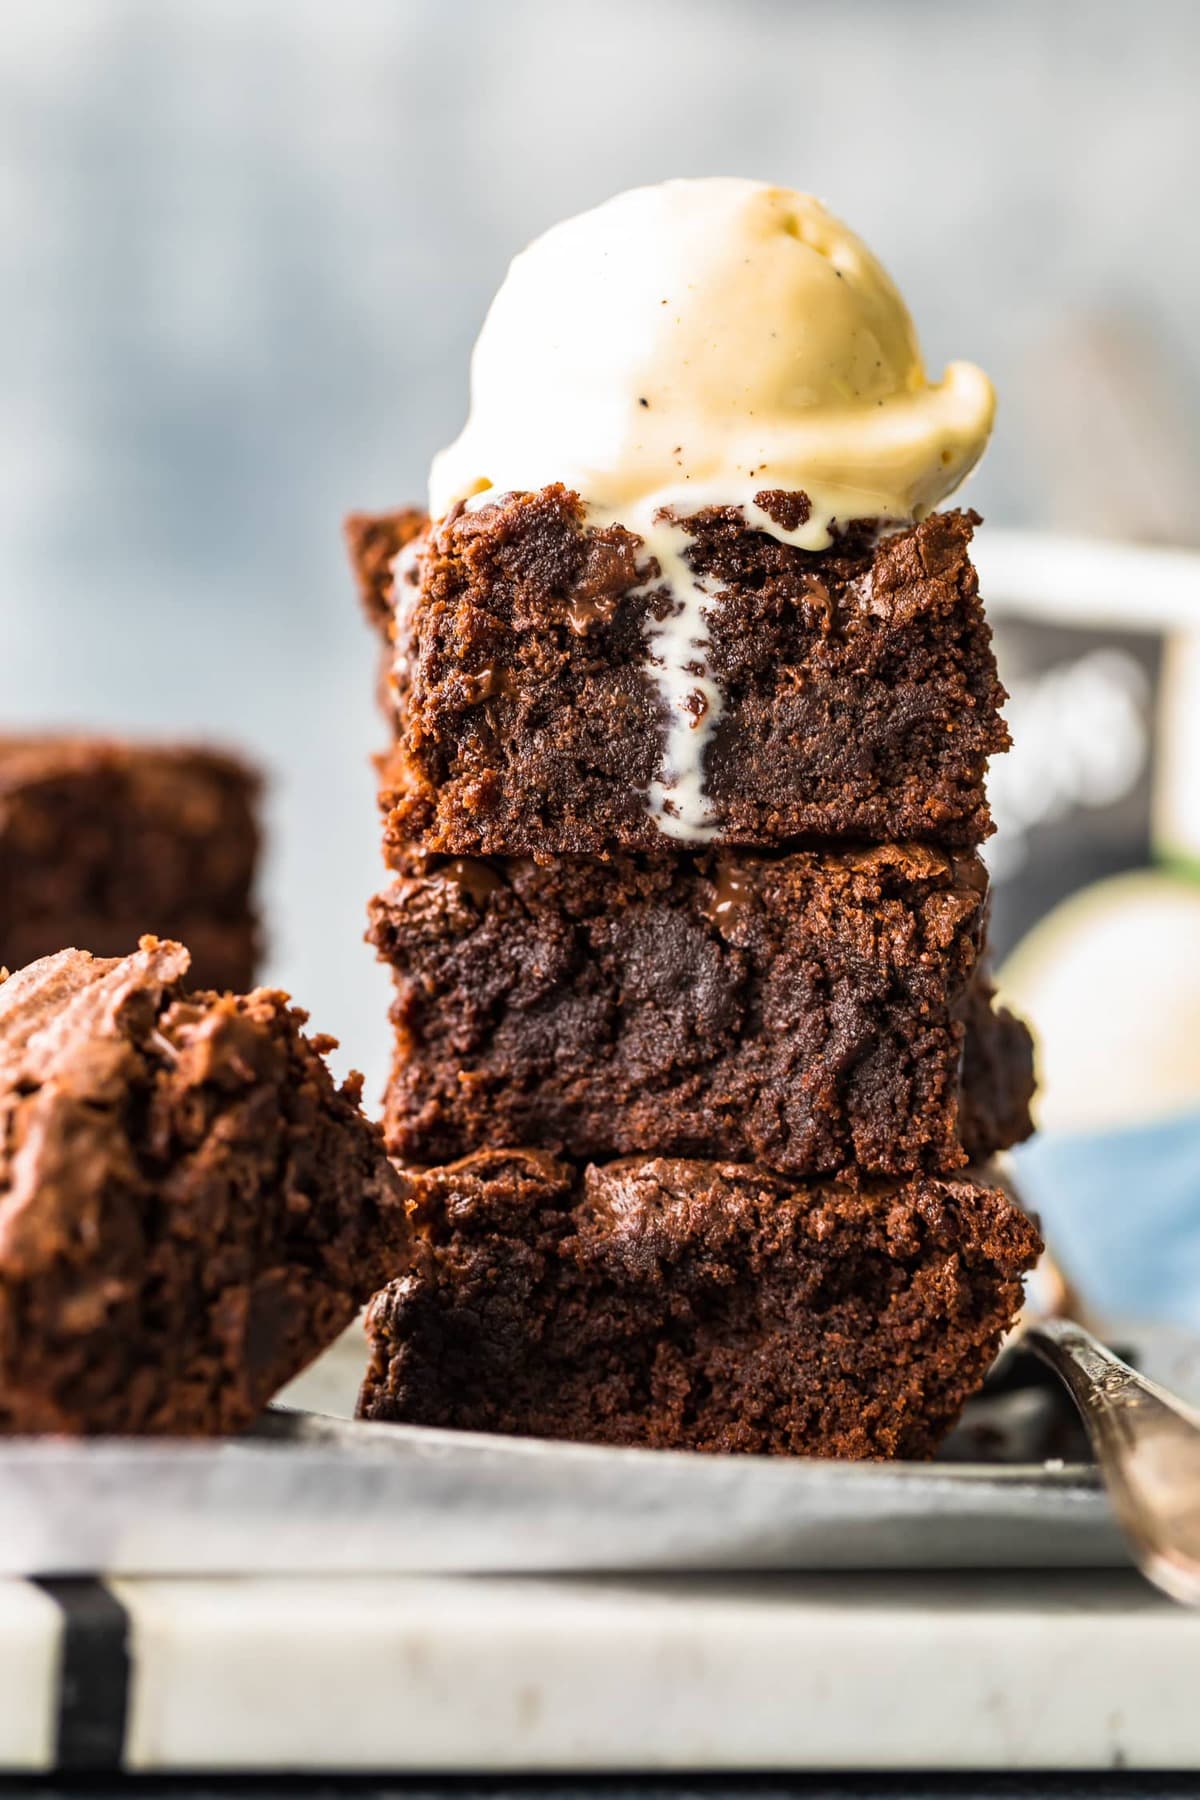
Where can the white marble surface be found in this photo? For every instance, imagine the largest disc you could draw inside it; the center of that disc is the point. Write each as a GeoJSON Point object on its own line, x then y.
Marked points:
{"type": "Point", "coordinates": [997, 1672]}
{"type": "Point", "coordinates": [30, 1646]}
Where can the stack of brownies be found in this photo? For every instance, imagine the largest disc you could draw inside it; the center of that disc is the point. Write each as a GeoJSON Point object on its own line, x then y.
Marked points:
{"type": "Point", "coordinates": [689, 1124]}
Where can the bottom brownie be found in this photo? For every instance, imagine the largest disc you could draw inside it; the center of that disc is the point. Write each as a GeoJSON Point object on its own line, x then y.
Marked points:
{"type": "Point", "coordinates": [695, 1306]}
{"type": "Point", "coordinates": [190, 1209]}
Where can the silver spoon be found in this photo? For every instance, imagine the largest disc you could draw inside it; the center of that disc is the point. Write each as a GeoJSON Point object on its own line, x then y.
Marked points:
{"type": "Point", "coordinates": [1147, 1444]}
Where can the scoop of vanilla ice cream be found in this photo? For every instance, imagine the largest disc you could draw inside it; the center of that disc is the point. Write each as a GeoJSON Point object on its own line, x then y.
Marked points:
{"type": "Point", "coordinates": [697, 342]}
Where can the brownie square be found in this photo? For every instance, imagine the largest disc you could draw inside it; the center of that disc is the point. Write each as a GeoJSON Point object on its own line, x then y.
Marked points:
{"type": "Point", "coordinates": [804, 1010]}
{"type": "Point", "coordinates": [695, 1306]}
{"type": "Point", "coordinates": [859, 690]}
{"type": "Point", "coordinates": [190, 1210]}
{"type": "Point", "coordinates": [102, 841]}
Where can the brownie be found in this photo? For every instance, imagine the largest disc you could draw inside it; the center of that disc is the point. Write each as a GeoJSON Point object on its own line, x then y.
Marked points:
{"type": "Point", "coordinates": [998, 1073]}
{"type": "Point", "coordinates": [102, 841]}
{"type": "Point", "coordinates": [374, 541]}
{"type": "Point", "coordinates": [224, 955]}
{"type": "Point", "coordinates": [806, 1010]}
{"type": "Point", "coordinates": [695, 1306]}
{"type": "Point", "coordinates": [190, 1209]}
{"type": "Point", "coordinates": [858, 686]}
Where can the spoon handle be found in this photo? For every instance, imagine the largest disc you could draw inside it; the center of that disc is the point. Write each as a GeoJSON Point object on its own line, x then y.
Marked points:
{"type": "Point", "coordinates": [1147, 1444]}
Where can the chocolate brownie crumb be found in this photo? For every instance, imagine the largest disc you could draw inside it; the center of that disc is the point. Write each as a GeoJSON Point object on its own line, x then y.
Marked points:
{"type": "Point", "coordinates": [806, 1010]}
{"type": "Point", "coordinates": [190, 1210]}
{"type": "Point", "coordinates": [788, 510]}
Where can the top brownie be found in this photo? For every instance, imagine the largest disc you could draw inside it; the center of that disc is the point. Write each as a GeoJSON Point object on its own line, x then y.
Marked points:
{"type": "Point", "coordinates": [859, 696]}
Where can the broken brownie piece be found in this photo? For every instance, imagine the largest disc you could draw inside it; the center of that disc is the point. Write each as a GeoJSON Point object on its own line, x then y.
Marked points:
{"type": "Point", "coordinates": [695, 1306]}
{"type": "Point", "coordinates": [804, 1010]}
{"type": "Point", "coordinates": [858, 690]}
{"type": "Point", "coordinates": [190, 1210]}
{"type": "Point", "coordinates": [998, 1076]}
{"type": "Point", "coordinates": [103, 841]}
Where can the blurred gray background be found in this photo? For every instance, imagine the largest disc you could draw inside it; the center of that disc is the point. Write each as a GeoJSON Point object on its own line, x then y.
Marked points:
{"type": "Point", "coordinates": [245, 246]}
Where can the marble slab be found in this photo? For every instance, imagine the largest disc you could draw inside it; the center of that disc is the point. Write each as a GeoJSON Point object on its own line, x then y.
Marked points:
{"type": "Point", "coordinates": [31, 1635]}
{"type": "Point", "coordinates": [638, 1675]}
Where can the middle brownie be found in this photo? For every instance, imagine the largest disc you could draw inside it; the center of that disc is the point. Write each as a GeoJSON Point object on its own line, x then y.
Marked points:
{"type": "Point", "coordinates": [805, 1011]}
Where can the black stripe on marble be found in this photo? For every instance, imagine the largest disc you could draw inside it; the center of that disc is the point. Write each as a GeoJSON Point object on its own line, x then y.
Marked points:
{"type": "Point", "coordinates": [93, 1685]}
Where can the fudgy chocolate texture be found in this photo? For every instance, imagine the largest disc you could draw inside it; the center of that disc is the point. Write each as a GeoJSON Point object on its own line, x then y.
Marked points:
{"type": "Point", "coordinates": [859, 686]}
{"type": "Point", "coordinates": [998, 1078]}
{"type": "Point", "coordinates": [103, 841]}
{"type": "Point", "coordinates": [190, 1210]}
{"type": "Point", "coordinates": [374, 541]}
{"type": "Point", "coordinates": [804, 1010]}
{"type": "Point", "coordinates": [695, 1306]}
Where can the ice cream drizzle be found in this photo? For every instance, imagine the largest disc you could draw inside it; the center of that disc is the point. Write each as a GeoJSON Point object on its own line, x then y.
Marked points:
{"type": "Point", "coordinates": [678, 646]}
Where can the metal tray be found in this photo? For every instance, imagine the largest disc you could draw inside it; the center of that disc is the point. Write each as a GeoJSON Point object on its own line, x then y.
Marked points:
{"type": "Point", "coordinates": [310, 1493]}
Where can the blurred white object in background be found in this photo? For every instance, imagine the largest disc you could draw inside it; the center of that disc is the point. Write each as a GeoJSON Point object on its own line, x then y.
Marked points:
{"type": "Point", "coordinates": [1080, 741]}
{"type": "Point", "coordinates": [1110, 975]}
{"type": "Point", "coordinates": [1111, 983]}
{"type": "Point", "coordinates": [1110, 978]}
{"type": "Point", "coordinates": [1177, 791]}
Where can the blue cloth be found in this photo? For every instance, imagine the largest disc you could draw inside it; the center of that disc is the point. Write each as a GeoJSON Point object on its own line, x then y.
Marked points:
{"type": "Point", "coordinates": [1121, 1211]}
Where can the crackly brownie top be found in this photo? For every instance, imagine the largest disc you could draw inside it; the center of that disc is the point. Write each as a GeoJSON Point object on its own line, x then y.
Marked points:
{"type": "Point", "coordinates": [640, 1213]}
{"type": "Point", "coordinates": [545, 564]}
{"type": "Point", "coordinates": [541, 563]}
{"type": "Point", "coordinates": [76, 1033]}
{"type": "Point", "coordinates": [647, 1211]}
{"type": "Point", "coordinates": [893, 904]}
{"type": "Point", "coordinates": [73, 1020]}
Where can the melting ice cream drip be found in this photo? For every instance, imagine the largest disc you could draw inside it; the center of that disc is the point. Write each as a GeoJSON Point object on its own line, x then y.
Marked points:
{"type": "Point", "coordinates": [678, 644]}
{"type": "Point", "coordinates": [678, 647]}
